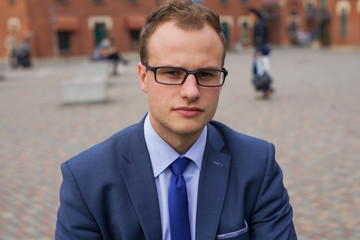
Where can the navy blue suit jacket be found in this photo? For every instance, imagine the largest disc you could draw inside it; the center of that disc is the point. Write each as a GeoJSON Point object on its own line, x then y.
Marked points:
{"type": "Point", "coordinates": [109, 191]}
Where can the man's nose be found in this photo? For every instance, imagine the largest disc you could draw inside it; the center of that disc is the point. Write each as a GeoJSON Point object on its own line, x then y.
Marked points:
{"type": "Point", "coordinates": [190, 88]}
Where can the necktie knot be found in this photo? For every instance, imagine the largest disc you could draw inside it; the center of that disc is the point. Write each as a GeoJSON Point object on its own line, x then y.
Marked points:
{"type": "Point", "coordinates": [179, 165]}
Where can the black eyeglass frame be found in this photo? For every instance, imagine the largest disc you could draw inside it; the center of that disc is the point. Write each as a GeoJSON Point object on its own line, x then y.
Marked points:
{"type": "Point", "coordinates": [154, 69]}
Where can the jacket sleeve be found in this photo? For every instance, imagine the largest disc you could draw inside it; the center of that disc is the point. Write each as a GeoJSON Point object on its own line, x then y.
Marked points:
{"type": "Point", "coordinates": [272, 215]}
{"type": "Point", "coordinates": [74, 219]}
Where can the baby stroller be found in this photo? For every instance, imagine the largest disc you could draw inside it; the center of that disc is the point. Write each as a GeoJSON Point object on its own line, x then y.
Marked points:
{"type": "Point", "coordinates": [23, 55]}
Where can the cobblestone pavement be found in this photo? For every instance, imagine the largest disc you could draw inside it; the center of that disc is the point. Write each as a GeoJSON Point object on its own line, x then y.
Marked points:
{"type": "Point", "coordinates": [313, 119]}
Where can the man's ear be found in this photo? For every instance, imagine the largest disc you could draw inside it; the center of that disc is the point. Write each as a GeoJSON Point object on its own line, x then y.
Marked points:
{"type": "Point", "coordinates": [142, 77]}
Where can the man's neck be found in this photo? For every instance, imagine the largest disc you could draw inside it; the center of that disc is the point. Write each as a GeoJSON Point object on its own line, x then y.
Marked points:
{"type": "Point", "coordinates": [180, 143]}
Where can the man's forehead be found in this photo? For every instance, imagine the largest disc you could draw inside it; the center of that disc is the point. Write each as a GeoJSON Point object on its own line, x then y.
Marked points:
{"type": "Point", "coordinates": [169, 35]}
{"type": "Point", "coordinates": [172, 26]}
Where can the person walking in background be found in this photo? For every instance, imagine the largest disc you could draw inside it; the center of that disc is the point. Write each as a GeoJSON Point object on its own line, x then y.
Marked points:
{"type": "Point", "coordinates": [261, 42]}
{"type": "Point", "coordinates": [177, 174]}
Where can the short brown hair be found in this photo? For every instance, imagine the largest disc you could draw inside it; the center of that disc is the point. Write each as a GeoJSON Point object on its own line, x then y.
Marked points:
{"type": "Point", "coordinates": [187, 16]}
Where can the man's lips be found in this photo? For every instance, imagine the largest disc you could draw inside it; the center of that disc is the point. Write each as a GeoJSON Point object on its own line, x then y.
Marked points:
{"type": "Point", "coordinates": [188, 111]}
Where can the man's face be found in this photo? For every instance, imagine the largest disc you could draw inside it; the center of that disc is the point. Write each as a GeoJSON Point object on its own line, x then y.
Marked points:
{"type": "Point", "coordinates": [181, 110]}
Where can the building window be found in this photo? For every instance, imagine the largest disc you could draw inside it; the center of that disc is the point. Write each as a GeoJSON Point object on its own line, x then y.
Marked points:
{"type": "Point", "coordinates": [245, 33]}
{"type": "Point", "coordinates": [98, 1]}
{"type": "Point", "coordinates": [12, 1]}
{"type": "Point", "coordinates": [135, 36]}
{"type": "Point", "coordinates": [323, 3]}
{"type": "Point", "coordinates": [100, 32]}
{"type": "Point", "coordinates": [13, 24]}
{"type": "Point", "coordinates": [225, 30]}
{"type": "Point", "coordinates": [244, 1]}
{"type": "Point", "coordinates": [64, 41]}
{"type": "Point", "coordinates": [309, 6]}
{"type": "Point", "coordinates": [133, 1]}
{"type": "Point", "coordinates": [344, 20]}
{"type": "Point", "coordinates": [224, 1]}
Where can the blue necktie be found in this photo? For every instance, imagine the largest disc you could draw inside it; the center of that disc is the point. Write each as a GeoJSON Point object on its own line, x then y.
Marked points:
{"type": "Point", "coordinates": [178, 202]}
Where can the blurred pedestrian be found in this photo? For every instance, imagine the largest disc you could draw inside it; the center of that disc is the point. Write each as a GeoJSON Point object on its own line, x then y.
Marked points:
{"type": "Point", "coordinates": [107, 50]}
{"type": "Point", "coordinates": [303, 37]}
{"type": "Point", "coordinates": [114, 56]}
{"type": "Point", "coordinates": [261, 65]}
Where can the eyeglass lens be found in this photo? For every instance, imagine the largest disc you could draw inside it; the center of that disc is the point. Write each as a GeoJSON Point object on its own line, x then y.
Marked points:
{"type": "Point", "coordinates": [177, 76]}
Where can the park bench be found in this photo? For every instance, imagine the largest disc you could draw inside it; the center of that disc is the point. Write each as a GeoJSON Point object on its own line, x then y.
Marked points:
{"type": "Point", "coordinates": [88, 84]}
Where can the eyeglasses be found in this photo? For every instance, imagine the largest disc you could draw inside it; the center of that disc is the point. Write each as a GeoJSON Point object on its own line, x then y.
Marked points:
{"type": "Point", "coordinates": [206, 77]}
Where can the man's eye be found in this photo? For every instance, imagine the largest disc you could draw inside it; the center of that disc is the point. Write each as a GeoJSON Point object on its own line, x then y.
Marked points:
{"type": "Point", "coordinates": [173, 72]}
{"type": "Point", "coordinates": [206, 74]}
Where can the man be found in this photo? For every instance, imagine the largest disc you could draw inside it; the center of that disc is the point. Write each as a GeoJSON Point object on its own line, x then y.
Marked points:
{"type": "Point", "coordinates": [177, 174]}
{"type": "Point", "coordinates": [262, 51]}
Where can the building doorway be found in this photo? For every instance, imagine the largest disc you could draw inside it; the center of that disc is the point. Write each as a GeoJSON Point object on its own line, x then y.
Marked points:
{"type": "Point", "coordinates": [100, 32]}
{"type": "Point", "coordinates": [135, 37]}
{"type": "Point", "coordinates": [64, 41]}
{"type": "Point", "coordinates": [225, 29]}
{"type": "Point", "coordinates": [324, 36]}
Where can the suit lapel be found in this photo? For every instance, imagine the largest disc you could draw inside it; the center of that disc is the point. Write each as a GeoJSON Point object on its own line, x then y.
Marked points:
{"type": "Point", "coordinates": [138, 175]}
{"type": "Point", "coordinates": [212, 186]}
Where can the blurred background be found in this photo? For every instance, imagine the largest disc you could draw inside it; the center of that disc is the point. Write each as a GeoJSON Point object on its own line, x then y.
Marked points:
{"type": "Point", "coordinates": [60, 93]}
{"type": "Point", "coordinates": [65, 28]}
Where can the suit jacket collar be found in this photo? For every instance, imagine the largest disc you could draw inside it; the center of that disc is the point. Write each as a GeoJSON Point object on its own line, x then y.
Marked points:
{"type": "Point", "coordinates": [212, 185]}
{"type": "Point", "coordinates": [136, 169]}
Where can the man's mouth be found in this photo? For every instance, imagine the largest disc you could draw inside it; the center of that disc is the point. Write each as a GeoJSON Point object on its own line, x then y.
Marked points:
{"type": "Point", "coordinates": [188, 111]}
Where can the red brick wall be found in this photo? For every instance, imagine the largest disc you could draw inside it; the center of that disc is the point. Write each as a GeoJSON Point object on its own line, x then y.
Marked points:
{"type": "Point", "coordinates": [8, 10]}
{"type": "Point", "coordinates": [82, 40]}
{"type": "Point", "coordinates": [353, 26]}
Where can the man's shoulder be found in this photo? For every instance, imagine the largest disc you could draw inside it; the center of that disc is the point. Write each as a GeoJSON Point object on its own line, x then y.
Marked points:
{"type": "Point", "coordinates": [244, 150]}
{"type": "Point", "coordinates": [227, 133]}
{"type": "Point", "coordinates": [238, 144]}
{"type": "Point", "coordinates": [104, 150]}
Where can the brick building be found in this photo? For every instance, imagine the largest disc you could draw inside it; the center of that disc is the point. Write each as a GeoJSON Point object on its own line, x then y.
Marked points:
{"type": "Point", "coordinates": [331, 22]}
{"type": "Point", "coordinates": [326, 22]}
{"type": "Point", "coordinates": [75, 27]}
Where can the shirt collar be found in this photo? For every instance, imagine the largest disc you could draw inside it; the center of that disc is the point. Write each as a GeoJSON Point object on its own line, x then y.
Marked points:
{"type": "Point", "coordinates": [162, 154]}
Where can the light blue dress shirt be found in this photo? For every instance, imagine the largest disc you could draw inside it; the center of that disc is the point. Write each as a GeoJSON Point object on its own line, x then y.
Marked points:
{"type": "Point", "coordinates": [162, 155]}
